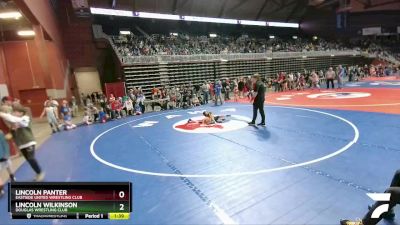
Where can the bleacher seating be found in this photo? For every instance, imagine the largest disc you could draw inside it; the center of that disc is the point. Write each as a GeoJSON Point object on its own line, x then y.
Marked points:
{"type": "Point", "coordinates": [168, 70]}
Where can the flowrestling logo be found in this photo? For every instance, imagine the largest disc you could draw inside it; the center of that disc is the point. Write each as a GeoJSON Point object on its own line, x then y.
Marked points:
{"type": "Point", "coordinates": [234, 122]}
{"type": "Point", "coordinates": [380, 197]}
{"type": "Point", "coordinates": [339, 95]}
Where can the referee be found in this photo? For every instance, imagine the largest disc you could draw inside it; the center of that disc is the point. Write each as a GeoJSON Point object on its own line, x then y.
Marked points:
{"type": "Point", "coordinates": [259, 98]}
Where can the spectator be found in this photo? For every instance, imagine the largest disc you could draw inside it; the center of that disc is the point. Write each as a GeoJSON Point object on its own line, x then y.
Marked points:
{"type": "Point", "coordinates": [128, 106]}
{"type": "Point", "coordinates": [5, 162]}
{"type": "Point", "coordinates": [315, 80]}
{"type": "Point", "coordinates": [87, 119]}
{"type": "Point", "coordinates": [74, 106]}
{"type": "Point", "coordinates": [22, 133]}
{"type": "Point", "coordinates": [330, 77]}
{"type": "Point", "coordinates": [341, 75]}
{"type": "Point", "coordinates": [205, 90]}
{"type": "Point", "coordinates": [67, 116]}
{"type": "Point", "coordinates": [102, 116]}
{"type": "Point", "coordinates": [218, 92]}
{"type": "Point", "coordinates": [52, 116]}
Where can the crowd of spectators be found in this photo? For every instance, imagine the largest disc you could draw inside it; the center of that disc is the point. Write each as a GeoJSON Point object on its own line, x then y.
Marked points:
{"type": "Point", "coordinates": [101, 108]}
{"type": "Point", "coordinates": [313, 78]}
{"type": "Point", "coordinates": [387, 47]}
{"type": "Point", "coordinates": [134, 45]}
{"type": "Point", "coordinates": [183, 44]}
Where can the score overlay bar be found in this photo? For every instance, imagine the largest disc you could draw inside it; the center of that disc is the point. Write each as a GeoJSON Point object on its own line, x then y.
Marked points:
{"type": "Point", "coordinates": [79, 200]}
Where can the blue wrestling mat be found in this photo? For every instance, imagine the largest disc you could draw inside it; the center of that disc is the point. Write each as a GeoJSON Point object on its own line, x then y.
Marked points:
{"type": "Point", "coordinates": [307, 166]}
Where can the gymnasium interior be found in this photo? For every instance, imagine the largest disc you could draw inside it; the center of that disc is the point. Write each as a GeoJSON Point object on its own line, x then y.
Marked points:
{"type": "Point", "coordinates": [207, 111]}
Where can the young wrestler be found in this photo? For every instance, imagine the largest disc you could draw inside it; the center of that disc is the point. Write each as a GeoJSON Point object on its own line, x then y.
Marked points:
{"type": "Point", "coordinates": [209, 118]}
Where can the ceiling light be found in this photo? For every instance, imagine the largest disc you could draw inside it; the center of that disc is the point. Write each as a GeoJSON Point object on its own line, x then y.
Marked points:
{"type": "Point", "coordinates": [271, 36]}
{"type": "Point", "coordinates": [252, 22]}
{"type": "Point", "coordinates": [10, 15]}
{"type": "Point", "coordinates": [111, 12]}
{"type": "Point", "coordinates": [281, 24]}
{"type": "Point", "coordinates": [209, 19]}
{"type": "Point", "coordinates": [213, 35]}
{"type": "Point", "coordinates": [26, 33]}
{"type": "Point", "coordinates": [124, 32]}
{"type": "Point", "coordinates": [158, 16]}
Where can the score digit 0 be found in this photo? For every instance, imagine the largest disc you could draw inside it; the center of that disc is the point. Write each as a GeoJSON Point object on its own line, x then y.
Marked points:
{"type": "Point", "coordinates": [121, 194]}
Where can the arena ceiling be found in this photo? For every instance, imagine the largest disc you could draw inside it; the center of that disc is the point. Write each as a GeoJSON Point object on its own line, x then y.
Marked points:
{"type": "Point", "coordinates": [270, 10]}
{"type": "Point", "coordinates": [279, 10]}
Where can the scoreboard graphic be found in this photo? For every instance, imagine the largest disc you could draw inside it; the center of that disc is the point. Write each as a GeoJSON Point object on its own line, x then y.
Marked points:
{"type": "Point", "coordinates": [59, 200]}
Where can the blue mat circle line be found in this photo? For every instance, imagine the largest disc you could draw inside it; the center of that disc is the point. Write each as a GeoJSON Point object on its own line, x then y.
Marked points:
{"type": "Point", "coordinates": [237, 174]}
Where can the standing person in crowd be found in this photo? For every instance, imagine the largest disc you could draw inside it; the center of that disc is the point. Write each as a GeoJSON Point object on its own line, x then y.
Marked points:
{"type": "Point", "coordinates": [52, 102]}
{"type": "Point", "coordinates": [212, 91]}
{"type": "Point", "coordinates": [276, 83]}
{"type": "Point", "coordinates": [226, 89]}
{"type": "Point", "coordinates": [218, 92]}
{"type": "Point", "coordinates": [172, 98]}
{"type": "Point", "coordinates": [52, 116]}
{"type": "Point", "coordinates": [156, 99]}
{"type": "Point", "coordinates": [302, 82]}
{"type": "Point", "coordinates": [290, 80]}
{"type": "Point", "coordinates": [82, 99]}
{"type": "Point", "coordinates": [394, 191]}
{"type": "Point", "coordinates": [88, 100]}
{"type": "Point", "coordinates": [352, 73]}
{"type": "Point", "coordinates": [205, 90]}
{"type": "Point", "coordinates": [259, 97]}
{"type": "Point", "coordinates": [284, 83]}
{"type": "Point", "coordinates": [249, 86]}
{"type": "Point", "coordinates": [140, 101]}
{"type": "Point", "coordinates": [235, 91]}
{"type": "Point", "coordinates": [281, 80]}
{"type": "Point", "coordinates": [74, 106]}
{"type": "Point", "coordinates": [4, 161]}
{"type": "Point", "coordinates": [22, 133]}
{"type": "Point", "coordinates": [241, 87]}
{"type": "Point", "coordinates": [341, 75]}
{"type": "Point", "coordinates": [314, 80]}
{"type": "Point", "coordinates": [93, 97]}
{"type": "Point", "coordinates": [330, 77]}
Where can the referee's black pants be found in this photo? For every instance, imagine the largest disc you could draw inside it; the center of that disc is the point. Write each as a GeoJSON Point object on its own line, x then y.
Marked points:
{"type": "Point", "coordinates": [258, 106]}
{"type": "Point", "coordinates": [330, 81]}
